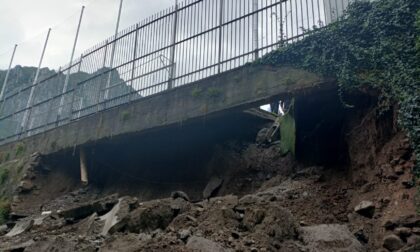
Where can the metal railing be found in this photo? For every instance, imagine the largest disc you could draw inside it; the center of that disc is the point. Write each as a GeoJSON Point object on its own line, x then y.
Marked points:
{"type": "Point", "coordinates": [190, 41]}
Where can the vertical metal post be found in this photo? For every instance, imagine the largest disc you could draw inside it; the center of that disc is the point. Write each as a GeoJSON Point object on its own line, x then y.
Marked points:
{"type": "Point", "coordinates": [221, 20]}
{"type": "Point", "coordinates": [7, 74]}
{"type": "Point", "coordinates": [31, 96]}
{"type": "Point", "coordinates": [102, 75]}
{"type": "Point", "coordinates": [79, 68]}
{"type": "Point", "coordinates": [173, 42]}
{"type": "Point", "coordinates": [108, 83]}
{"type": "Point", "coordinates": [133, 70]}
{"type": "Point", "coordinates": [66, 82]}
{"type": "Point", "coordinates": [255, 28]}
{"type": "Point", "coordinates": [74, 49]}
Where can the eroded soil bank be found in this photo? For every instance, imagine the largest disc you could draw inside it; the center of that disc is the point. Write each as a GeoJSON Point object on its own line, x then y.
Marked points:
{"type": "Point", "coordinates": [222, 186]}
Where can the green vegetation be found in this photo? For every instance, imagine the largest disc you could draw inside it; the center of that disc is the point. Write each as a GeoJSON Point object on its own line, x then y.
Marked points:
{"type": "Point", "coordinates": [4, 174]}
{"type": "Point", "coordinates": [4, 210]}
{"type": "Point", "coordinates": [196, 92]}
{"type": "Point", "coordinates": [20, 149]}
{"type": "Point", "coordinates": [125, 116]}
{"type": "Point", "coordinates": [213, 92]}
{"type": "Point", "coordinates": [375, 45]}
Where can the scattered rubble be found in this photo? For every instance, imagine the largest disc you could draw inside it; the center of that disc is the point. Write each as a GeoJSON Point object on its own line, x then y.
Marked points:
{"type": "Point", "coordinates": [365, 208]}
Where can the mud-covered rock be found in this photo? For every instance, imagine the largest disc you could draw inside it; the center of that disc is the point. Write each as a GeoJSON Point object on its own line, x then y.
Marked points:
{"type": "Point", "coordinates": [61, 244]}
{"type": "Point", "coordinates": [330, 238]}
{"type": "Point", "coordinates": [393, 242]}
{"type": "Point", "coordinates": [211, 188]}
{"type": "Point", "coordinates": [154, 215]}
{"type": "Point", "coordinates": [84, 210]}
{"type": "Point", "coordinates": [180, 194]}
{"type": "Point", "coordinates": [21, 227]}
{"type": "Point", "coordinates": [201, 244]}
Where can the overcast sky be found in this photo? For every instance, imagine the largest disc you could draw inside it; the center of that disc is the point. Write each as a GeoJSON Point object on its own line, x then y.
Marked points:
{"type": "Point", "coordinates": [26, 22]}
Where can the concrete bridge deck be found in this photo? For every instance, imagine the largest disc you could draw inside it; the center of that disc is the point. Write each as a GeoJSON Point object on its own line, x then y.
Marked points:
{"type": "Point", "coordinates": [239, 89]}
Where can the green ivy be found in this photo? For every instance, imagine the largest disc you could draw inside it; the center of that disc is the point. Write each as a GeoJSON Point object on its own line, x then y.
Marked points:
{"type": "Point", "coordinates": [375, 44]}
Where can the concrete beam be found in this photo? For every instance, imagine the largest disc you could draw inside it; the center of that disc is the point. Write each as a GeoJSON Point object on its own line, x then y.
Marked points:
{"type": "Point", "coordinates": [239, 89]}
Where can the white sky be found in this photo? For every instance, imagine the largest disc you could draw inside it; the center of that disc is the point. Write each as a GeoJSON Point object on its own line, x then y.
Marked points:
{"type": "Point", "coordinates": [26, 22]}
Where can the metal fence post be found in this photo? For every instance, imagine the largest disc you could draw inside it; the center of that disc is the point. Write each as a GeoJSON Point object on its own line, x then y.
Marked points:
{"type": "Point", "coordinates": [173, 47]}
{"type": "Point", "coordinates": [66, 82]}
{"type": "Point", "coordinates": [102, 75]}
{"type": "Point", "coordinates": [74, 88]}
{"type": "Point", "coordinates": [255, 28]}
{"type": "Point", "coordinates": [133, 70]}
{"type": "Point", "coordinates": [31, 95]}
{"type": "Point", "coordinates": [108, 83]}
{"type": "Point", "coordinates": [3, 89]}
{"type": "Point", "coordinates": [221, 18]}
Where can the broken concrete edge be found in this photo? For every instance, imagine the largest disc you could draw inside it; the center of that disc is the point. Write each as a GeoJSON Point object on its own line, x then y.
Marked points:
{"type": "Point", "coordinates": [287, 80]}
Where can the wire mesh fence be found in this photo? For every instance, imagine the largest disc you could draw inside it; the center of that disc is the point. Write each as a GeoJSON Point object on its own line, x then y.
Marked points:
{"type": "Point", "coordinates": [185, 43]}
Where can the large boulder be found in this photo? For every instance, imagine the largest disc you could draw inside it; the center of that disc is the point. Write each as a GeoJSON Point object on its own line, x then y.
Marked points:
{"type": "Point", "coordinates": [117, 218]}
{"type": "Point", "coordinates": [330, 238]}
{"type": "Point", "coordinates": [393, 242]}
{"type": "Point", "coordinates": [151, 216]}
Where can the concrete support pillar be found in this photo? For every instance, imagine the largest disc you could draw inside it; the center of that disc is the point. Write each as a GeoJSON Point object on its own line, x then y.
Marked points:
{"type": "Point", "coordinates": [84, 177]}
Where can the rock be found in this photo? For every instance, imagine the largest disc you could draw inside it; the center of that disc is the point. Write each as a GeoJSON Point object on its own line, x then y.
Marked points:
{"type": "Point", "coordinates": [57, 244]}
{"type": "Point", "coordinates": [403, 232]}
{"type": "Point", "coordinates": [368, 187]}
{"type": "Point", "coordinates": [179, 205]}
{"type": "Point", "coordinates": [236, 235]}
{"type": "Point", "coordinates": [82, 211]}
{"type": "Point", "coordinates": [392, 242]}
{"type": "Point", "coordinates": [408, 184]}
{"type": "Point", "coordinates": [407, 221]}
{"type": "Point", "coordinates": [416, 230]}
{"type": "Point", "coordinates": [214, 184]}
{"type": "Point", "coordinates": [184, 234]}
{"type": "Point", "coordinates": [365, 208]}
{"type": "Point", "coordinates": [413, 240]}
{"type": "Point", "coordinates": [180, 194]}
{"type": "Point", "coordinates": [117, 218]}
{"type": "Point", "coordinates": [144, 237]}
{"type": "Point", "coordinates": [330, 238]}
{"type": "Point", "coordinates": [390, 225]}
{"type": "Point", "coordinates": [399, 170]}
{"type": "Point", "coordinates": [17, 246]}
{"type": "Point", "coordinates": [21, 227]}
{"type": "Point", "coordinates": [151, 216]}
{"type": "Point", "coordinates": [3, 229]}
{"type": "Point", "coordinates": [86, 225]}
{"type": "Point", "coordinates": [200, 244]}
{"type": "Point", "coordinates": [361, 236]}
{"type": "Point", "coordinates": [25, 186]}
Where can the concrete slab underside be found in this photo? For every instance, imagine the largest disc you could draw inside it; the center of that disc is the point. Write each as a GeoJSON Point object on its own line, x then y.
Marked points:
{"type": "Point", "coordinates": [239, 89]}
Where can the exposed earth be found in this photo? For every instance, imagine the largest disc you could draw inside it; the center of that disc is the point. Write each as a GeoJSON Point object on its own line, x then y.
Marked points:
{"type": "Point", "coordinates": [261, 200]}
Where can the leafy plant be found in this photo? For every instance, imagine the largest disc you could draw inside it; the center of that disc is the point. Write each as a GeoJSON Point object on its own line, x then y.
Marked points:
{"type": "Point", "coordinates": [376, 44]}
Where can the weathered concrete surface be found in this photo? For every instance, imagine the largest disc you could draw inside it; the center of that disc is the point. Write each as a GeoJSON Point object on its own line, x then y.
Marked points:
{"type": "Point", "coordinates": [242, 88]}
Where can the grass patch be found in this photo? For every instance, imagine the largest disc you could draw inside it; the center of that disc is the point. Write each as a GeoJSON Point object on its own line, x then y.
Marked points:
{"type": "Point", "coordinates": [4, 210]}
